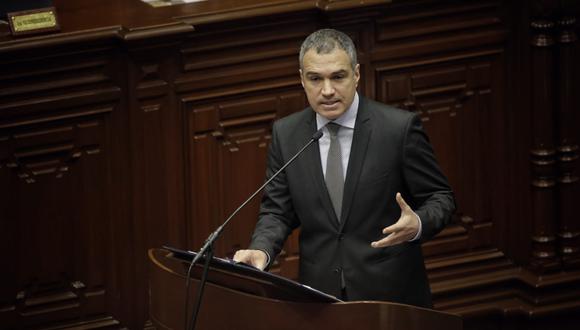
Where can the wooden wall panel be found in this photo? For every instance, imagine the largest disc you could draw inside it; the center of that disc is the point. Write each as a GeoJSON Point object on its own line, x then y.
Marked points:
{"type": "Point", "coordinates": [243, 57]}
{"type": "Point", "coordinates": [423, 61]}
{"type": "Point", "coordinates": [155, 157]}
{"type": "Point", "coordinates": [228, 151]}
{"type": "Point", "coordinates": [55, 170]}
{"type": "Point", "coordinates": [453, 100]}
{"type": "Point", "coordinates": [236, 79]}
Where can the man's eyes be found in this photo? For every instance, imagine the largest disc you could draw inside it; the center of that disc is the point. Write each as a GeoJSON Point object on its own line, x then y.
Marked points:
{"type": "Point", "coordinates": [337, 78]}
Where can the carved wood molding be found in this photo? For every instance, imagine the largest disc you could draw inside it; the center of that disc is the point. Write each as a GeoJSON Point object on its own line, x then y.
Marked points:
{"type": "Point", "coordinates": [250, 9]}
{"type": "Point", "coordinates": [543, 152]}
{"type": "Point", "coordinates": [567, 143]}
{"type": "Point", "coordinates": [53, 150]}
{"type": "Point", "coordinates": [485, 283]}
{"type": "Point", "coordinates": [556, 238]}
{"type": "Point", "coordinates": [227, 142]}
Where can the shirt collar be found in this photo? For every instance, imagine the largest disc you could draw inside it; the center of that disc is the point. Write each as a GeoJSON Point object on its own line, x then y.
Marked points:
{"type": "Point", "coordinates": [347, 119]}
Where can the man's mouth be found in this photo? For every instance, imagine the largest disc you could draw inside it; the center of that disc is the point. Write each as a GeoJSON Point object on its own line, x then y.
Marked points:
{"type": "Point", "coordinates": [329, 103]}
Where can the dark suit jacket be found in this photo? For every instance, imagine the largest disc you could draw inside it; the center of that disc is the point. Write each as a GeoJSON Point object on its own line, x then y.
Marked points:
{"type": "Point", "coordinates": [390, 153]}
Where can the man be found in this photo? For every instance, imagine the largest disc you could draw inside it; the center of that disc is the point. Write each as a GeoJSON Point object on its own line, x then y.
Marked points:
{"type": "Point", "coordinates": [365, 196]}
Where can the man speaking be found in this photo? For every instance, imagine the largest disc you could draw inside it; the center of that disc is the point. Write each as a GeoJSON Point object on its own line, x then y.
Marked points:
{"type": "Point", "coordinates": [365, 196]}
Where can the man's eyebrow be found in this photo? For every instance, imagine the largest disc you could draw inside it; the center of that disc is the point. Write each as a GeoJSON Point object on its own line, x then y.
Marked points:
{"type": "Point", "coordinates": [311, 73]}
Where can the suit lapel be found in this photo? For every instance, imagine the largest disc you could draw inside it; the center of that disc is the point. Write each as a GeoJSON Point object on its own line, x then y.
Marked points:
{"type": "Point", "coordinates": [360, 141]}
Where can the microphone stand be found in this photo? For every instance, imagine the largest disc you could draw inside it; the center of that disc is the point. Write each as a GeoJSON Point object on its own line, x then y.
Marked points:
{"type": "Point", "coordinates": [207, 249]}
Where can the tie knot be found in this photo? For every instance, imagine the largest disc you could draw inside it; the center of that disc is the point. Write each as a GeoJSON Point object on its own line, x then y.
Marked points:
{"type": "Point", "coordinates": [333, 129]}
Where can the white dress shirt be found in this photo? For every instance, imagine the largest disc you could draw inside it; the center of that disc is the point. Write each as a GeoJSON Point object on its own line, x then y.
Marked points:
{"type": "Point", "coordinates": [345, 133]}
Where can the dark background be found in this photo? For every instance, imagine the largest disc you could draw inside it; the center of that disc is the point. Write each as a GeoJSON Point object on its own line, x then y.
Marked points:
{"type": "Point", "coordinates": [8, 6]}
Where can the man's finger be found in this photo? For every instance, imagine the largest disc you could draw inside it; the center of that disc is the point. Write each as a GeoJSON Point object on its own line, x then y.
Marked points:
{"type": "Point", "coordinates": [241, 256]}
{"type": "Point", "coordinates": [256, 258]}
{"type": "Point", "coordinates": [387, 241]}
{"type": "Point", "coordinates": [392, 228]}
{"type": "Point", "coordinates": [402, 204]}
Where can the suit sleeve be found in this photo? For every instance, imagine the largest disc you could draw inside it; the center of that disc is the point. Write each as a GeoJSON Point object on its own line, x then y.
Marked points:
{"type": "Point", "coordinates": [277, 218]}
{"type": "Point", "coordinates": [432, 197]}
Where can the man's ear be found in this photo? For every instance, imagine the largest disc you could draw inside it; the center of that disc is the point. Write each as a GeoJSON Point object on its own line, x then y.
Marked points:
{"type": "Point", "coordinates": [357, 73]}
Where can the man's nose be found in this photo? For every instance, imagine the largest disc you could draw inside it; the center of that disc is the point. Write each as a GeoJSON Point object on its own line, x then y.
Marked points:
{"type": "Point", "coordinates": [327, 88]}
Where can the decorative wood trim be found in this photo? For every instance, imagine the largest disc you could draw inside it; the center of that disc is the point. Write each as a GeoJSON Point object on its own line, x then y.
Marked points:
{"type": "Point", "coordinates": [567, 149]}
{"type": "Point", "coordinates": [484, 283]}
{"type": "Point", "coordinates": [543, 153]}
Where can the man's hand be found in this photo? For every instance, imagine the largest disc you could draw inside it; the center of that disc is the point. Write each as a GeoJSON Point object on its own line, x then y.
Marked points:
{"type": "Point", "coordinates": [403, 230]}
{"type": "Point", "coordinates": [256, 258]}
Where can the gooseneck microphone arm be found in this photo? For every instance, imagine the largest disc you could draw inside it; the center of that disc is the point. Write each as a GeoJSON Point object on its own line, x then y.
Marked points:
{"type": "Point", "coordinates": [207, 247]}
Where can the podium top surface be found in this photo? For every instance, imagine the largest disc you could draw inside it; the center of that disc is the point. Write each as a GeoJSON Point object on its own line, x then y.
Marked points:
{"type": "Point", "coordinates": [226, 272]}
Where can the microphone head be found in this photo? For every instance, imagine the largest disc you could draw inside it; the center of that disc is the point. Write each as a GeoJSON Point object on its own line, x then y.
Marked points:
{"type": "Point", "coordinates": [317, 135]}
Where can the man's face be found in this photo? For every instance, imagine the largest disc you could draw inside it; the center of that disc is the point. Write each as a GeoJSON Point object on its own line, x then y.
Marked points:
{"type": "Point", "coordinates": [329, 82]}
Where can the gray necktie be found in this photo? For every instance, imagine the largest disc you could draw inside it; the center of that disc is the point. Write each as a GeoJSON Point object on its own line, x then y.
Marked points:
{"type": "Point", "coordinates": [334, 173]}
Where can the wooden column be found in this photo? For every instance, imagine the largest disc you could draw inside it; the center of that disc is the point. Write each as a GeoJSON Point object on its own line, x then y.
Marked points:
{"type": "Point", "coordinates": [568, 188]}
{"type": "Point", "coordinates": [543, 152]}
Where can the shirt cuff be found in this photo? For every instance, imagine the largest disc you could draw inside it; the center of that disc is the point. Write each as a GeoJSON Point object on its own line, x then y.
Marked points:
{"type": "Point", "coordinates": [418, 236]}
{"type": "Point", "coordinates": [267, 259]}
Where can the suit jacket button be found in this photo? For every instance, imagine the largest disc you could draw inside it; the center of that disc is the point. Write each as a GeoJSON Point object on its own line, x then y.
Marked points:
{"type": "Point", "coordinates": [337, 270]}
{"type": "Point", "coordinates": [340, 237]}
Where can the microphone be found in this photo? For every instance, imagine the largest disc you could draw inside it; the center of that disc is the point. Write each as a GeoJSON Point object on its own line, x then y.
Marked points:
{"type": "Point", "coordinates": [207, 247]}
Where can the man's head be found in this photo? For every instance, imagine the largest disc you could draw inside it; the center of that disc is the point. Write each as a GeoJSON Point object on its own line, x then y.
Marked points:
{"type": "Point", "coordinates": [329, 72]}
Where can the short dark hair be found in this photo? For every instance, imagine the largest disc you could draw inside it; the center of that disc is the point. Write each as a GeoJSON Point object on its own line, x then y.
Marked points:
{"type": "Point", "coordinates": [325, 41]}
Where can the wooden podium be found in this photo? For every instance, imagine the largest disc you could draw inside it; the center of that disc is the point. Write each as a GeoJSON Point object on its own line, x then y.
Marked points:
{"type": "Point", "coordinates": [239, 298]}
